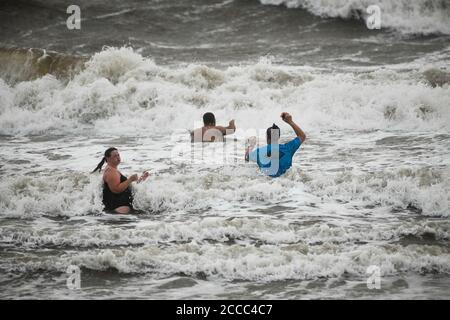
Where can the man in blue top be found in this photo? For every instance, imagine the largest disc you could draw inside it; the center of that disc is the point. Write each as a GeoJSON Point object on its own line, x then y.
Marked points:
{"type": "Point", "coordinates": [275, 159]}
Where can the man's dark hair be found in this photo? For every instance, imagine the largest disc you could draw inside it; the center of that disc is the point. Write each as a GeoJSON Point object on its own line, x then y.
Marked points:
{"type": "Point", "coordinates": [269, 132]}
{"type": "Point", "coordinates": [209, 119]}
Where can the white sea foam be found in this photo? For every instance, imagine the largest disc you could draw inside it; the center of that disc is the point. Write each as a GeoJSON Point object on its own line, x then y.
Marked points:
{"type": "Point", "coordinates": [265, 230]}
{"type": "Point", "coordinates": [421, 189]}
{"type": "Point", "coordinates": [120, 93]}
{"type": "Point", "coordinates": [268, 263]}
{"type": "Point", "coordinates": [64, 195]}
{"type": "Point", "coordinates": [225, 190]}
{"type": "Point", "coordinates": [122, 90]}
{"type": "Point", "coordinates": [405, 16]}
{"type": "Point", "coordinates": [264, 263]}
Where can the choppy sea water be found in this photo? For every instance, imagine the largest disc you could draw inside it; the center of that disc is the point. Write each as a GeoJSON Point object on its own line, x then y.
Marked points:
{"type": "Point", "coordinates": [224, 231]}
{"type": "Point", "coordinates": [370, 186]}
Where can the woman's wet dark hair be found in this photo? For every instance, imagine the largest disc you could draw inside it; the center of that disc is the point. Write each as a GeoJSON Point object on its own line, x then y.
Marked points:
{"type": "Point", "coordinates": [269, 136]}
{"type": "Point", "coordinates": [107, 155]}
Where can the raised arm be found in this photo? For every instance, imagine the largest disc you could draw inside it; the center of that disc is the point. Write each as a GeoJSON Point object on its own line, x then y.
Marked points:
{"type": "Point", "coordinates": [227, 130]}
{"type": "Point", "coordinates": [299, 132]}
{"type": "Point", "coordinates": [249, 146]}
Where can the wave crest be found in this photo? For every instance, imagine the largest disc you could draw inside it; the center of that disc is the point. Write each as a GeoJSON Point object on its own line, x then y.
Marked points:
{"type": "Point", "coordinates": [405, 16]}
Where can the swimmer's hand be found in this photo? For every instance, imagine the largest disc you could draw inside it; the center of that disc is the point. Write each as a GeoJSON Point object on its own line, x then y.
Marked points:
{"type": "Point", "coordinates": [231, 127]}
{"type": "Point", "coordinates": [286, 117]}
{"type": "Point", "coordinates": [249, 145]}
{"type": "Point", "coordinates": [134, 177]}
{"type": "Point", "coordinates": [250, 142]}
{"type": "Point", "coordinates": [144, 176]}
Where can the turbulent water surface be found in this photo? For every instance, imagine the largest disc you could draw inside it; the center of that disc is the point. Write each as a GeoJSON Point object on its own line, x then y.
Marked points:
{"type": "Point", "coordinates": [369, 187]}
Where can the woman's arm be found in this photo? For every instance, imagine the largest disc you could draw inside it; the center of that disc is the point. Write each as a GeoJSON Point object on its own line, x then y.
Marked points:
{"type": "Point", "coordinates": [112, 178]}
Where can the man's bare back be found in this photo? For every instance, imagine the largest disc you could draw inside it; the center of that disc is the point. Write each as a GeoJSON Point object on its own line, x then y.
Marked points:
{"type": "Point", "coordinates": [210, 132]}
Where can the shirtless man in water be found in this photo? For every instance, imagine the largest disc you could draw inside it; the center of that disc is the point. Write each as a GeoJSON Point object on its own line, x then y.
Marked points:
{"type": "Point", "coordinates": [210, 132]}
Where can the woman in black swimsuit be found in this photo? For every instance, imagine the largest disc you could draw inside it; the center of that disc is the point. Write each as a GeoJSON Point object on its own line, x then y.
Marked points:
{"type": "Point", "coordinates": [117, 194]}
